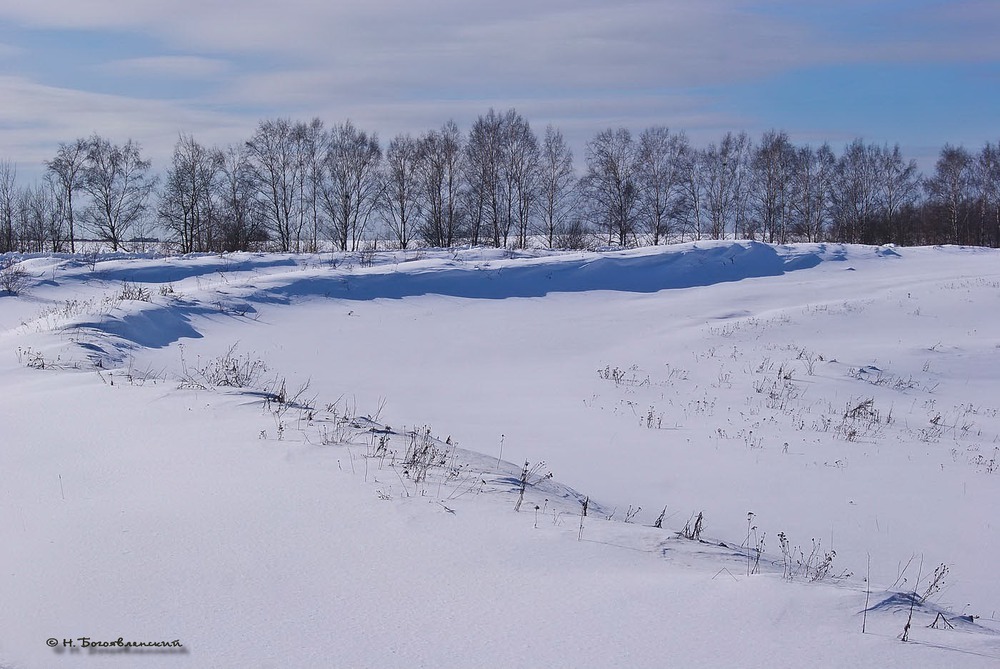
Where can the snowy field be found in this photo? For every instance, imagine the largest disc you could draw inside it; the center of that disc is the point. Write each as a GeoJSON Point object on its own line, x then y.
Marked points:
{"type": "Point", "coordinates": [384, 460]}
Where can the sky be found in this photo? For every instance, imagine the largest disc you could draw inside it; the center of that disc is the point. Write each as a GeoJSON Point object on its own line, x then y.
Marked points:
{"type": "Point", "coordinates": [919, 73]}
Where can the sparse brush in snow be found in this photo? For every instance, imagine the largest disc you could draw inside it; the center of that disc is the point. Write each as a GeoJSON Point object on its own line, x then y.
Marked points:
{"type": "Point", "coordinates": [14, 278]}
{"type": "Point", "coordinates": [693, 527]}
{"type": "Point", "coordinates": [231, 370]}
{"type": "Point", "coordinates": [754, 549]}
{"type": "Point", "coordinates": [658, 524]}
{"type": "Point", "coordinates": [936, 582]}
{"type": "Point", "coordinates": [530, 475]}
{"type": "Point", "coordinates": [133, 291]}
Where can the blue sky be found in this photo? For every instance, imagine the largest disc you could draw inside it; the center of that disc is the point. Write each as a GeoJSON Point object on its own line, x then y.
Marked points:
{"type": "Point", "coordinates": [919, 73]}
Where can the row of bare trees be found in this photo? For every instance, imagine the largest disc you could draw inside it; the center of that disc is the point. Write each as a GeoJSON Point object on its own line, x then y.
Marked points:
{"type": "Point", "coordinates": [658, 187]}
{"type": "Point", "coordinates": [301, 186]}
{"type": "Point", "coordinates": [113, 180]}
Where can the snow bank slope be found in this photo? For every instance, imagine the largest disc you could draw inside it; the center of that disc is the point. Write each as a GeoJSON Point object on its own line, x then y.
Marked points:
{"type": "Point", "coordinates": [844, 395]}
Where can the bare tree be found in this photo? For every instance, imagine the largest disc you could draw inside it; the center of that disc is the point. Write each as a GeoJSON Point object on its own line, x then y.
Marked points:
{"type": "Point", "coordinates": [353, 186]}
{"type": "Point", "coordinates": [855, 192]}
{"type": "Point", "coordinates": [502, 160]}
{"type": "Point", "coordinates": [899, 183]}
{"type": "Point", "coordinates": [484, 162]}
{"type": "Point", "coordinates": [987, 185]}
{"type": "Point", "coordinates": [450, 159]}
{"type": "Point", "coordinates": [812, 174]}
{"type": "Point", "coordinates": [189, 200]}
{"type": "Point", "coordinates": [716, 185]}
{"type": "Point", "coordinates": [28, 235]}
{"type": "Point", "coordinates": [401, 201]}
{"type": "Point", "coordinates": [610, 184]}
{"type": "Point", "coordinates": [950, 192]}
{"type": "Point", "coordinates": [724, 184]}
{"type": "Point", "coordinates": [659, 173]}
{"type": "Point", "coordinates": [118, 182]}
{"type": "Point", "coordinates": [521, 158]}
{"type": "Point", "coordinates": [68, 171]}
{"type": "Point", "coordinates": [693, 203]}
{"type": "Point", "coordinates": [740, 152]}
{"type": "Point", "coordinates": [274, 163]}
{"type": "Point", "coordinates": [8, 205]}
{"type": "Point", "coordinates": [771, 168]}
{"type": "Point", "coordinates": [38, 221]}
{"type": "Point", "coordinates": [442, 157]}
{"type": "Point", "coordinates": [243, 221]}
{"type": "Point", "coordinates": [311, 148]}
{"type": "Point", "coordinates": [556, 186]}
{"type": "Point", "coordinates": [48, 205]}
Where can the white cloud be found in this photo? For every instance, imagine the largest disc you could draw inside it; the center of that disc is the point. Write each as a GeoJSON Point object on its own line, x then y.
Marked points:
{"type": "Point", "coordinates": [675, 41]}
{"type": "Point", "coordinates": [39, 117]}
{"type": "Point", "coordinates": [399, 65]}
{"type": "Point", "coordinates": [706, 41]}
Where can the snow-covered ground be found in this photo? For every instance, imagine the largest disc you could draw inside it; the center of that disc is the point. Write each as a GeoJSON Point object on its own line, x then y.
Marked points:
{"type": "Point", "coordinates": [828, 410]}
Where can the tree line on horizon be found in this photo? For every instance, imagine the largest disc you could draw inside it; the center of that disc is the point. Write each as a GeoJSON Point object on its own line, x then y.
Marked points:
{"type": "Point", "coordinates": [300, 186]}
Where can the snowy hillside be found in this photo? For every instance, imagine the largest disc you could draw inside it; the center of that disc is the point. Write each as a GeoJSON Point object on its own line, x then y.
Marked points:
{"type": "Point", "coordinates": [383, 460]}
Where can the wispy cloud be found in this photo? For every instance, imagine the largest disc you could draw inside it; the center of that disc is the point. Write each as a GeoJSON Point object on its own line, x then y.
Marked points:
{"type": "Point", "coordinates": [9, 50]}
{"type": "Point", "coordinates": [402, 65]}
{"type": "Point", "coordinates": [36, 117]}
{"type": "Point", "coordinates": [174, 67]}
